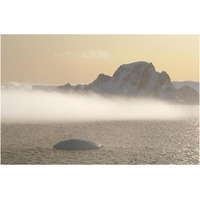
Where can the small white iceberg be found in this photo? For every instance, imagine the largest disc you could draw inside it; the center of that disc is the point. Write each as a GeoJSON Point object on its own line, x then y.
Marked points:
{"type": "Point", "coordinates": [76, 144]}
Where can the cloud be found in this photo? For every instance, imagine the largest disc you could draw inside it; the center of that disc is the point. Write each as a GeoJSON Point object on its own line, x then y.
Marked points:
{"type": "Point", "coordinates": [16, 85]}
{"type": "Point", "coordinates": [94, 54]}
{"type": "Point", "coordinates": [84, 54]}
{"type": "Point", "coordinates": [27, 105]}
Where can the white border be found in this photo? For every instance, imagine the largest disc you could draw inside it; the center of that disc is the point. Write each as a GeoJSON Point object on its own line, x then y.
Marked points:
{"type": "Point", "coordinates": [99, 17]}
{"type": "Point", "coordinates": [100, 182]}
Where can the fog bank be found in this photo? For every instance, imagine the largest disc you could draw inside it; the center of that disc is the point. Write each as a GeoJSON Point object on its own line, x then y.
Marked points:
{"type": "Point", "coordinates": [34, 105]}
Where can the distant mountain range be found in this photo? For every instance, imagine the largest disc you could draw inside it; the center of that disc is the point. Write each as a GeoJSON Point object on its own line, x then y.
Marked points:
{"type": "Point", "coordinates": [192, 84]}
{"type": "Point", "coordinates": [138, 79]}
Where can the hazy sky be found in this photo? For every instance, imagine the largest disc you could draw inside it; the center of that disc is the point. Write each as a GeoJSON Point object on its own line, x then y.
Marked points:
{"type": "Point", "coordinates": [60, 59]}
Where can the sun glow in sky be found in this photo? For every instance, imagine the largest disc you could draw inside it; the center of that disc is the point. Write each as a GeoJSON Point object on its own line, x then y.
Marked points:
{"type": "Point", "coordinates": [60, 59]}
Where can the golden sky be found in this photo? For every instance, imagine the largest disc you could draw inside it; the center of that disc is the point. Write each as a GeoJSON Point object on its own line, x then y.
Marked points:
{"type": "Point", "coordinates": [60, 59]}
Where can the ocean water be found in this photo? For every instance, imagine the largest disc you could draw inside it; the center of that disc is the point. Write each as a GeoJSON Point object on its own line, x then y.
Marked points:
{"type": "Point", "coordinates": [131, 142]}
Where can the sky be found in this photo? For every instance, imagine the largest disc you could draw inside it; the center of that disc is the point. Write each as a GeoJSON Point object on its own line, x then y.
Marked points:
{"type": "Point", "coordinates": [61, 59]}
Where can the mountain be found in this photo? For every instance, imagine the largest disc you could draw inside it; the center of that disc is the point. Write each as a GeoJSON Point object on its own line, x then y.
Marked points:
{"type": "Point", "coordinates": [135, 79]}
{"type": "Point", "coordinates": [45, 87]}
{"type": "Point", "coordinates": [188, 95]}
{"type": "Point", "coordinates": [68, 86]}
{"type": "Point", "coordinates": [192, 84]}
{"type": "Point", "coordinates": [138, 79]}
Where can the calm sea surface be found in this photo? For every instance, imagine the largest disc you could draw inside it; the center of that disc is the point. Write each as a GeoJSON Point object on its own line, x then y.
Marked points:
{"type": "Point", "coordinates": [124, 142]}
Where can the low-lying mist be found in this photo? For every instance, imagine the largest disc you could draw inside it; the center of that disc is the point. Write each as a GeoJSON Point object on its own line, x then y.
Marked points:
{"type": "Point", "coordinates": [34, 105]}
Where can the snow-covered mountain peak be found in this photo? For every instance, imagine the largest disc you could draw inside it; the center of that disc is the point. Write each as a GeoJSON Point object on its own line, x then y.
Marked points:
{"type": "Point", "coordinates": [134, 79]}
{"type": "Point", "coordinates": [133, 70]}
{"type": "Point", "coordinates": [136, 66]}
